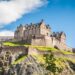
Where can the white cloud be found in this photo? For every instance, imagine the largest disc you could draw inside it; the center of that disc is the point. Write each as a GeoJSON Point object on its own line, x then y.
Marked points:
{"type": "Point", "coordinates": [12, 10]}
{"type": "Point", "coordinates": [6, 33]}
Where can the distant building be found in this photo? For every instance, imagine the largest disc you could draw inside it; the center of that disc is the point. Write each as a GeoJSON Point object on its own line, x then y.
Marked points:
{"type": "Point", "coordinates": [6, 38]}
{"type": "Point", "coordinates": [40, 34]}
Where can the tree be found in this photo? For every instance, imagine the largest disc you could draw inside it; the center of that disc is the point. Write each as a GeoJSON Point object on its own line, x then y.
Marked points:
{"type": "Point", "coordinates": [50, 64]}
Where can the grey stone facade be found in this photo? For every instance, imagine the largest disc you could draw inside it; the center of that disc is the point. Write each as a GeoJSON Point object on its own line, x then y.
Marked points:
{"type": "Point", "coordinates": [40, 34]}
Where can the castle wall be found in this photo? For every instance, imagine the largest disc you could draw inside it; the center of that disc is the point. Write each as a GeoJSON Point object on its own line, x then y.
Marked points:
{"type": "Point", "coordinates": [48, 41]}
{"type": "Point", "coordinates": [45, 41]}
{"type": "Point", "coordinates": [38, 42]}
{"type": "Point", "coordinates": [32, 51]}
{"type": "Point", "coordinates": [61, 45]}
{"type": "Point", "coordinates": [58, 44]}
{"type": "Point", "coordinates": [30, 32]}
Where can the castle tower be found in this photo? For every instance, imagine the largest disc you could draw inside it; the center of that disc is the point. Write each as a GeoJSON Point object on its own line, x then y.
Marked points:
{"type": "Point", "coordinates": [63, 37]}
{"type": "Point", "coordinates": [19, 33]}
{"type": "Point", "coordinates": [44, 29]}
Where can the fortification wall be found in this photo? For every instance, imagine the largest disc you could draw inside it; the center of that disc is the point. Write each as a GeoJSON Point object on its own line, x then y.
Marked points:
{"type": "Point", "coordinates": [45, 41]}
{"type": "Point", "coordinates": [38, 42]}
{"type": "Point", "coordinates": [51, 42]}
{"type": "Point", "coordinates": [60, 45]}
{"type": "Point", "coordinates": [48, 41]}
{"type": "Point", "coordinates": [15, 49]}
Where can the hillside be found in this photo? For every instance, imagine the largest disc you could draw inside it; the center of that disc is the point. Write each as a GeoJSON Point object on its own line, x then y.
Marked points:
{"type": "Point", "coordinates": [39, 60]}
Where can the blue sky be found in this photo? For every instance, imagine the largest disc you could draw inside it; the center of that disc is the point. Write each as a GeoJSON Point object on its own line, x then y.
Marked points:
{"type": "Point", "coordinates": [59, 14]}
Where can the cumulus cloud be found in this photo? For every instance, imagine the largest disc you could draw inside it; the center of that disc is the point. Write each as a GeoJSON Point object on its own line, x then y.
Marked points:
{"type": "Point", "coordinates": [6, 33]}
{"type": "Point", "coordinates": [12, 10]}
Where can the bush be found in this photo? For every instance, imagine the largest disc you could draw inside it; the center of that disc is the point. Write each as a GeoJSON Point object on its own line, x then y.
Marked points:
{"type": "Point", "coordinates": [50, 64]}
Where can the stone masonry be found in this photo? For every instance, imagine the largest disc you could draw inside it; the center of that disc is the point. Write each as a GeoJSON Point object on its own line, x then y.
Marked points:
{"type": "Point", "coordinates": [40, 34]}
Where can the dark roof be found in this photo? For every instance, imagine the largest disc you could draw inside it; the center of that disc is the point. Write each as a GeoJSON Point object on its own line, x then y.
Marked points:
{"type": "Point", "coordinates": [57, 35]}
{"type": "Point", "coordinates": [62, 33]}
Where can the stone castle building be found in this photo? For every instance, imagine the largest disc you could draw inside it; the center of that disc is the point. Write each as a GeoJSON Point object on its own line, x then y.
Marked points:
{"type": "Point", "coordinates": [40, 34]}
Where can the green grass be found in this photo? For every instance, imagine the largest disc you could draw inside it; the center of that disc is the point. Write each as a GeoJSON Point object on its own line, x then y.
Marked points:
{"type": "Point", "coordinates": [67, 59]}
{"type": "Point", "coordinates": [10, 44]}
{"type": "Point", "coordinates": [43, 48]}
{"type": "Point", "coordinates": [60, 63]}
{"type": "Point", "coordinates": [66, 52]}
{"type": "Point", "coordinates": [19, 60]}
{"type": "Point", "coordinates": [40, 48]}
{"type": "Point", "coordinates": [15, 44]}
{"type": "Point", "coordinates": [39, 58]}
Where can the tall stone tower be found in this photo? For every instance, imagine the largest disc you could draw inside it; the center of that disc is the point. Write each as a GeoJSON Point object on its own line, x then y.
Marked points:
{"type": "Point", "coordinates": [45, 29]}
{"type": "Point", "coordinates": [63, 37]}
{"type": "Point", "coordinates": [19, 33]}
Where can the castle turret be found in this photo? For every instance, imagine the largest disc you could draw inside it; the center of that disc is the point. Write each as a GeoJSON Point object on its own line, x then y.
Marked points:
{"type": "Point", "coordinates": [60, 36]}
{"type": "Point", "coordinates": [63, 37]}
{"type": "Point", "coordinates": [19, 33]}
{"type": "Point", "coordinates": [44, 29]}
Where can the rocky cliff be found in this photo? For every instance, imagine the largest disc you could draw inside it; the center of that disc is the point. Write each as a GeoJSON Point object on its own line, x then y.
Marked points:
{"type": "Point", "coordinates": [30, 67]}
{"type": "Point", "coordinates": [52, 62]}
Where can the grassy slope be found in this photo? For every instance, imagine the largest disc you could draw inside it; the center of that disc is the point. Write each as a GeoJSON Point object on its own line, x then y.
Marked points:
{"type": "Point", "coordinates": [41, 48]}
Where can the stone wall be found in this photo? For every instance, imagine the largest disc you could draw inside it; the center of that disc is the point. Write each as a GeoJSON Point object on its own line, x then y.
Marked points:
{"type": "Point", "coordinates": [48, 41]}
{"type": "Point", "coordinates": [59, 44]}
{"type": "Point", "coordinates": [32, 51]}
{"type": "Point", "coordinates": [45, 41]}
{"type": "Point", "coordinates": [15, 49]}
{"type": "Point", "coordinates": [38, 42]}
{"type": "Point", "coordinates": [28, 31]}
{"type": "Point", "coordinates": [51, 42]}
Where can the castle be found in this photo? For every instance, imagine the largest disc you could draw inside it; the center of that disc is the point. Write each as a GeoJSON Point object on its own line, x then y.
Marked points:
{"type": "Point", "coordinates": [40, 34]}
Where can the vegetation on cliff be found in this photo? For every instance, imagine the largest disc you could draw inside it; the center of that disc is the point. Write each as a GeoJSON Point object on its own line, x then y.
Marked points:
{"type": "Point", "coordinates": [41, 48]}
{"type": "Point", "coordinates": [55, 62]}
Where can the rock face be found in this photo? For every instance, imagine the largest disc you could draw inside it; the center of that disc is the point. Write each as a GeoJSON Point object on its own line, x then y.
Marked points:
{"type": "Point", "coordinates": [28, 67]}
